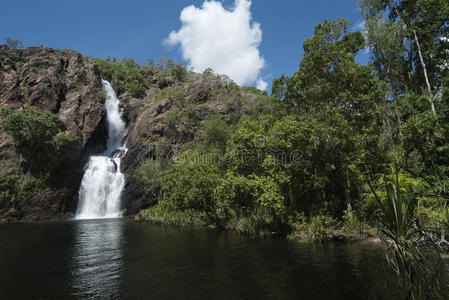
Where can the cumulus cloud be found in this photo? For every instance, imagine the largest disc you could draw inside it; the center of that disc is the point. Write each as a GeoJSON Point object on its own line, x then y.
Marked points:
{"type": "Point", "coordinates": [261, 85]}
{"type": "Point", "coordinates": [225, 40]}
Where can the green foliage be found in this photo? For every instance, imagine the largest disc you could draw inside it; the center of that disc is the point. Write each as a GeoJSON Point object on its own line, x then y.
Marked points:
{"type": "Point", "coordinates": [171, 120]}
{"type": "Point", "coordinates": [189, 186]}
{"type": "Point", "coordinates": [127, 71]}
{"type": "Point", "coordinates": [310, 156]}
{"type": "Point", "coordinates": [31, 129]}
{"type": "Point", "coordinates": [174, 93]}
{"type": "Point", "coordinates": [161, 215]}
{"type": "Point", "coordinates": [101, 96]}
{"type": "Point", "coordinates": [82, 75]}
{"type": "Point", "coordinates": [164, 63]}
{"type": "Point", "coordinates": [135, 88]}
{"type": "Point", "coordinates": [411, 188]}
{"type": "Point", "coordinates": [353, 224]}
{"type": "Point", "coordinates": [391, 28]}
{"type": "Point", "coordinates": [253, 90]}
{"type": "Point", "coordinates": [163, 151]}
{"type": "Point", "coordinates": [150, 174]}
{"type": "Point", "coordinates": [37, 136]}
{"type": "Point", "coordinates": [317, 228]}
{"type": "Point", "coordinates": [178, 71]}
{"type": "Point", "coordinates": [412, 255]}
{"type": "Point", "coordinates": [216, 133]}
{"type": "Point", "coordinates": [14, 190]}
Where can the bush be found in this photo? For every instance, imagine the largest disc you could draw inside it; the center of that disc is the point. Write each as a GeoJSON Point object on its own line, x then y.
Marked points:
{"type": "Point", "coordinates": [171, 120]}
{"type": "Point", "coordinates": [163, 151]}
{"type": "Point", "coordinates": [127, 71]}
{"type": "Point", "coordinates": [37, 137]}
{"type": "Point", "coordinates": [174, 93]}
{"type": "Point", "coordinates": [216, 133]}
{"type": "Point", "coordinates": [14, 190]}
{"type": "Point", "coordinates": [317, 228]}
{"type": "Point", "coordinates": [31, 129]}
{"type": "Point", "coordinates": [189, 186]}
{"type": "Point", "coordinates": [352, 224]}
{"type": "Point", "coordinates": [320, 227]}
{"type": "Point", "coordinates": [135, 88]}
{"type": "Point", "coordinates": [101, 96]}
{"type": "Point", "coordinates": [150, 174]}
{"type": "Point", "coordinates": [178, 71]}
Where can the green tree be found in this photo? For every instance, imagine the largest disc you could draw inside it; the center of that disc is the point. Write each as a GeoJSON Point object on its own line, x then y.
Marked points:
{"type": "Point", "coordinates": [342, 96]}
{"type": "Point", "coordinates": [127, 71]}
{"type": "Point", "coordinates": [216, 133]}
{"type": "Point", "coordinates": [410, 47]}
{"type": "Point", "coordinates": [178, 71]}
{"type": "Point", "coordinates": [189, 186]}
{"type": "Point", "coordinates": [38, 136]}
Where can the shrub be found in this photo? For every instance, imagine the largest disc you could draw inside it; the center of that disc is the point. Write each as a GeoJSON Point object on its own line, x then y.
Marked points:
{"type": "Point", "coordinates": [178, 71]}
{"type": "Point", "coordinates": [150, 174]}
{"type": "Point", "coordinates": [35, 135]}
{"type": "Point", "coordinates": [14, 190]}
{"type": "Point", "coordinates": [163, 151]}
{"type": "Point", "coordinates": [352, 224]}
{"type": "Point", "coordinates": [216, 133]}
{"type": "Point", "coordinates": [189, 186]}
{"type": "Point", "coordinates": [127, 71]}
{"type": "Point", "coordinates": [135, 88]}
{"type": "Point", "coordinates": [101, 96]}
{"type": "Point", "coordinates": [171, 119]}
{"type": "Point", "coordinates": [174, 93]}
{"type": "Point", "coordinates": [414, 257]}
{"type": "Point", "coordinates": [320, 227]}
{"type": "Point", "coordinates": [31, 129]}
{"type": "Point", "coordinates": [317, 228]}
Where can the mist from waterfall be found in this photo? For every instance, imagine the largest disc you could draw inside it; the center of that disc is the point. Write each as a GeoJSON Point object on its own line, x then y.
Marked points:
{"type": "Point", "coordinates": [102, 184]}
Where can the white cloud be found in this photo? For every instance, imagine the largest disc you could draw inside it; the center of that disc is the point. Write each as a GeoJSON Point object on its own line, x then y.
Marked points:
{"type": "Point", "coordinates": [360, 26]}
{"type": "Point", "coordinates": [261, 85]}
{"type": "Point", "coordinates": [225, 40]}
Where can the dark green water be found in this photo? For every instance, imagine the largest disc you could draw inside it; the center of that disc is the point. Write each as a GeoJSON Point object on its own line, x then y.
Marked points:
{"type": "Point", "coordinates": [132, 260]}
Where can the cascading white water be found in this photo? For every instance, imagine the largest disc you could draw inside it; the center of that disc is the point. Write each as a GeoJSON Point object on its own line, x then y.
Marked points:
{"type": "Point", "coordinates": [102, 184]}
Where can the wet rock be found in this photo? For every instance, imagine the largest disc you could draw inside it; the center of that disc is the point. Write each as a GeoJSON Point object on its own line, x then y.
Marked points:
{"type": "Point", "coordinates": [338, 237]}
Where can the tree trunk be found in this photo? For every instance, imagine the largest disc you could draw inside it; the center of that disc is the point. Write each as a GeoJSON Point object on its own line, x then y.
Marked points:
{"type": "Point", "coordinates": [429, 88]}
{"type": "Point", "coordinates": [348, 193]}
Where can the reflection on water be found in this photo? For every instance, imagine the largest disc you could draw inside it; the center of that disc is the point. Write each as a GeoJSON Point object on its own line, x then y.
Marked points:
{"type": "Point", "coordinates": [119, 258]}
{"type": "Point", "coordinates": [97, 257]}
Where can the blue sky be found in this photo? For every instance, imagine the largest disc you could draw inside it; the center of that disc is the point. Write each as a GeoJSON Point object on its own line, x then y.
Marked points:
{"type": "Point", "coordinates": [137, 28]}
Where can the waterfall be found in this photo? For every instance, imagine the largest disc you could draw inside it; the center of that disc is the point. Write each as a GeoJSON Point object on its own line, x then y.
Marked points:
{"type": "Point", "coordinates": [102, 184]}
